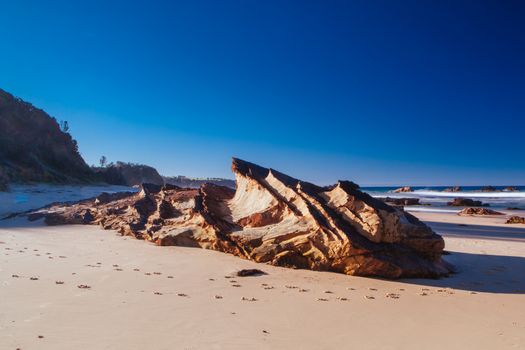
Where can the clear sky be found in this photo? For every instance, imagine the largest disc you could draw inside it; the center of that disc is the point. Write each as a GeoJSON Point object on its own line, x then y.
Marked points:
{"type": "Point", "coordinates": [379, 92]}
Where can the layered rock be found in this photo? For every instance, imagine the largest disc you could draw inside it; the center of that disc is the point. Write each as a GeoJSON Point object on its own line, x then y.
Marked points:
{"type": "Point", "coordinates": [479, 211]}
{"type": "Point", "coordinates": [466, 202]}
{"type": "Point", "coordinates": [273, 218]}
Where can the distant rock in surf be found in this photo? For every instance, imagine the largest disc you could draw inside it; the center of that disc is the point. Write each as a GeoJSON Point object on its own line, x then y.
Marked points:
{"type": "Point", "coordinates": [510, 189]}
{"type": "Point", "coordinates": [488, 189]}
{"type": "Point", "coordinates": [479, 211]}
{"type": "Point", "coordinates": [403, 189]}
{"type": "Point", "coordinates": [276, 219]}
{"type": "Point", "coordinates": [466, 202]}
{"type": "Point", "coordinates": [453, 189]}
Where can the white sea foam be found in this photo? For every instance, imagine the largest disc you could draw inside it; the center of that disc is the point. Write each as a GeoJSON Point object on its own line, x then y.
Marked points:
{"type": "Point", "coordinates": [426, 193]}
{"type": "Point", "coordinates": [431, 210]}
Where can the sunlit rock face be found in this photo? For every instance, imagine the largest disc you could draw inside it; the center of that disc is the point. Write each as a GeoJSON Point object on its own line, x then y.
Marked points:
{"type": "Point", "coordinates": [272, 218]}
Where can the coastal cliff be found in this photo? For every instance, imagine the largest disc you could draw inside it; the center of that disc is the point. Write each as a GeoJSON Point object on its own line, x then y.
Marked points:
{"type": "Point", "coordinates": [33, 148]}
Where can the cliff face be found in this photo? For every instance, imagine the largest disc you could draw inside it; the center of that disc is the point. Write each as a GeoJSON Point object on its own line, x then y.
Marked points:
{"type": "Point", "coordinates": [129, 174]}
{"type": "Point", "coordinates": [34, 149]}
{"type": "Point", "coordinates": [275, 219]}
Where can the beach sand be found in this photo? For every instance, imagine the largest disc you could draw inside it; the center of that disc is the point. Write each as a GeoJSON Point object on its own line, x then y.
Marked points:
{"type": "Point", "coordinates": [141, 296]}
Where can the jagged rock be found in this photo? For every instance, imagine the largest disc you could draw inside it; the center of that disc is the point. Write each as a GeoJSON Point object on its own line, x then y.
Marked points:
{"type": "Point", "coordinates": [515, 220]}
{"type": "Point", "coordinates": [488, 189]}
{"type": "Point", "coordinates": [466, 202]}
{"type": "Point", "coordinates": [400, 201]}
{"type": "Point", "coordinates": [276, 219]}
{"type": "Point", "coordinates": [479, 211]}
{"type": "Point", "coordinates": [510, 189]}
{"type": "Point", "coordinates": [453, 189]}
{"type": "Point", "coordinates": [403, 189]}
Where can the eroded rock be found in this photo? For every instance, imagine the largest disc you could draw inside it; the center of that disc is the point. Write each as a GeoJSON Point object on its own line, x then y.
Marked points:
{"type": "Point", "coordinates": [276, 219]}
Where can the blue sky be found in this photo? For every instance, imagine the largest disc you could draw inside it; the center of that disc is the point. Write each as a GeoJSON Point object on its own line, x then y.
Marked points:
{"type": "Point", "coordinates": [379, 92]}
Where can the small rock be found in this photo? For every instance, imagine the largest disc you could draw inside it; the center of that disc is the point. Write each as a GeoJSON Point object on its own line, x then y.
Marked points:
{"type": "Point", "coordinates": [250, 272]}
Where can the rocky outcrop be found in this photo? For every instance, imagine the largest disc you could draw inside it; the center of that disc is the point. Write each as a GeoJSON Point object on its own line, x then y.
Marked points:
{"type": "Point", "coordinates": [400, 201]}
{"type": "Point", "coordinates": [515, 220]}
{"type": "Point", "coordinates": [128, 174]}
{"type": "Point", "coordinates": [276, 219]}
{"type": "Point", "coordinates": [34, 148]}
{"type": "Point", "coordinates": [453, 189]}
{"type": "Point", "coordinates": [403, 189]}
{"type": "Point", "coordinates": [466, 202]}
{"type": "Point", "coordinates": [479, 211]}
{"type": "Point", "coordinates": [488, 189]}
{"type": "Point", "coordinates": [510, 189]}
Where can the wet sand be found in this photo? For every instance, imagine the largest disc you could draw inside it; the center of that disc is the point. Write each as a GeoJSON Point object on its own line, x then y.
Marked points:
{"type": "Point", "coordinates": [78, 287]}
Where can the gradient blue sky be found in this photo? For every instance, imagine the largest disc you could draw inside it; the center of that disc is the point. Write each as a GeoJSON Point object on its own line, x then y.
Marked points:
{"type": "Point", "coordinates": [379, 92]}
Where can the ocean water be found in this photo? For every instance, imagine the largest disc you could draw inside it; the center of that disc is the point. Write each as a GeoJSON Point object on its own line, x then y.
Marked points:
{"type": "Point", "coordinates": [26, 197]}
{"type": "Point", "coordinates": [435, 200]}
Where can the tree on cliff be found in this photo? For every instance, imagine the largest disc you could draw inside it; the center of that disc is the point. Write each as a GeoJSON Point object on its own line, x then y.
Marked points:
{"type": "Point", "coordinates": [103, 161]}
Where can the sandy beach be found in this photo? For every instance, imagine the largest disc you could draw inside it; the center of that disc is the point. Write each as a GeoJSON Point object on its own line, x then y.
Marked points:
{"type": "Point", "coordinates": [140, 296]}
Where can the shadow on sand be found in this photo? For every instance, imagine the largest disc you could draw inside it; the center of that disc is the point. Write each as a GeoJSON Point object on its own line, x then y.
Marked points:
{"type": "Point", "coordinates": [481, 272]}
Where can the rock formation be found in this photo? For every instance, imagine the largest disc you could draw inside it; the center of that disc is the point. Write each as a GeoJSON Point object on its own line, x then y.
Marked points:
{"type": "Point", "coordinates": [515, 220]}
{"type": "Point", "coordinates": [510, 189]}
{"type": "Point", "coordinates": [488, 189]}
{"type": "Point", "coordinates": [453, 189]}
{"type": "Point", "coordinates": [400, 201]}
{"type": "Point", "coordinates": [403, 189]}
{"type": "Point", "coordinates": [466, 202]}
{"type": "Point", "coordinates": [479, 211]}
{"type": "Point", "coordinates": [272, 218]}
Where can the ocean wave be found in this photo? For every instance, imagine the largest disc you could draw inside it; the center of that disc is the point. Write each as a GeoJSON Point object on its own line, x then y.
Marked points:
{"type": "Point", "coordinates": [429, 193]}
{"type": "Point", "coordinates": [471, 194]}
